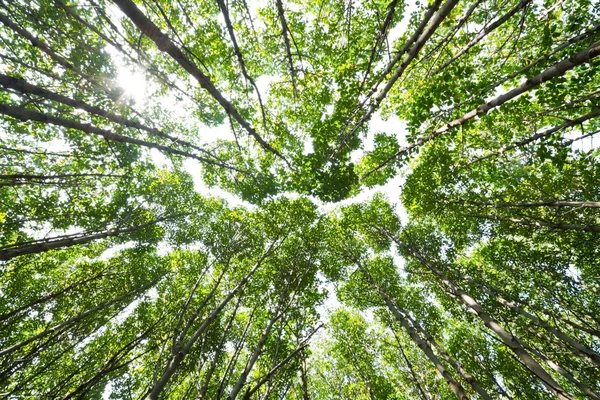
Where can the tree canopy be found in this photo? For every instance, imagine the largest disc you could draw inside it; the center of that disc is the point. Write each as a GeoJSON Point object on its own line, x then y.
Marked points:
{"type": "Point", "coordinates": [285, 199]}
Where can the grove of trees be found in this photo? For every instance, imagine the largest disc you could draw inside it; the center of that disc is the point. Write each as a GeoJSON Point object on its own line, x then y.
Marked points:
{"type": "Point", "coordinates": [299, 199]}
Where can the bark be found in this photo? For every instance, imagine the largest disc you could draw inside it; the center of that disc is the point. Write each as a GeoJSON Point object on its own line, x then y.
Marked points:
{"type": "Point", "coordinates": [67, 241]}
{"type": "Point", "coordinates": [410, 367]}
{"type": "Point", "coordinates": [238, 348]}
{"type": "Point", "coordinates": [240, 58]}
{"type": "Point", "coordinates": [46, 49]}
{"type": "Point", "coordinates": [545, 57]}
{"type": "Point", "coordinates": [48, 297]}
{"type": "Point", "coordinates": [254, 357]}
{"type": "Point", "coordinates": [390, 67]}
{"type": "Point", "coordinates": [112, 364]}
{"type": "Point", "coordinates": [464, 373]}
{"type": "Point", "coordinates": [286, 42]}
{"type": "Point", "coordinates": [165, 44]}
{"type": "Point", "coordinates": [218, 352]}
{"type": "Point", "coordinates": [446, 40]}
{"type": "Point", "coordinates": [540, 224]}
{"type": "Point", "coordinates": [576, 204]}
{"type": "Point", "coordinates": [62, 61]}
{"type": "Point", "coordinates": [556, 70]}
{"type": "Point", "coordinates": [24, 115]}
{"type": "Point", "coordinates": [573, 345]}
{"type": "Point", "coordinates": [178, 340]}
{"type": "Point", "coordinates": [304, 377]}
{"type": "Point", "coordinates": [565, 373]}
{"type": "Point", "coordinates": [24, 87]}
{"type": "Point", "coordinates": [283, 362]}
{"type": "Point", "coordinates": [411, 54]}
{"type": "Point", "coordinates": [391, 9]}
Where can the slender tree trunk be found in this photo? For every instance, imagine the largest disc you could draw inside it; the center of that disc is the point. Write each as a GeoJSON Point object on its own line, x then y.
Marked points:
{"type": "Point", "coordinates": [565, 373]}
{"type": "Point", "coordinates": [283, 362]}
{"type": "Point", "coordinates": [400, 316]}
{"type": "Point", "coordinates": [303, 376]}
{"type": "Point", "coordinates": [218, 351]}
{"type": "Point", "coordinates": [483, 33]}
{"type": "Point", "coordinates": [67, 241]}
{"type": "Point", "coordinates": [464, 373]}
{"type": "Point", "coordinates": [48, 297]}
{"type": "Point", "coordinates": [165, 44]}
{"type": "Point", "coordinates": [556, 70]}
{"type": "Point", "coordinates": [573, 345]}
{"type": "Point", "coordinates": [410, 367]}
{"type": "Point", "coordinates": [540, 224]}
{"type": "Point", "coordinates": [254, 357]}
{"type": "Point", "coordinates": [180, 353]}
{"type": "Point", "coordinates": [22, 86]}
{"type": "Point", "coordinates": [575, 204]}
{"type": "Point", "coordinates": [540, 135]}
{"type": "Point", "coordinates": [506, 337]}
{"type": "Point", "coordinates": [70, 321]}
{"type": "Point", "coordinates": [411, 53]}
{"type": "Point", "coordinates": [25, 115]}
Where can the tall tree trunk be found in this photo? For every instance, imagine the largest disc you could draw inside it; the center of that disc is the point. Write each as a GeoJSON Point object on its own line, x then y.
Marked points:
{"type": "Point", "coordinates": [24, 87]}
{"type": "Point", "coordinates": [25, 115]}
{"type": "Point", "coordinates": [165, 44]}
{"type": "Point", "coordinates": [67, 241]}
{"type": "Point", "coordinates": [506, 337]}
{"type": "Point", "coordinates": [554, 71]}
{"type": "Point", "coordinates": [565, 373]}
{"type": "Point", "coordinates": [540, 224]}
{"type": "Point", "coordinates": [213, 365]}
{"type": "Point", "coordinates": [400, 316]}
{"type": "Point", "coordinates": [70, 321]}
{"type": "Point", "coordinates": [464, 373]}
{"type": "Point", "coordinates": [180, 353]}
{"type": "Point", "coordinates": [575, 204]}
{"type": "Point", "coordinates": [275, 368]}
{"type": "Point", "coordinates": [254, 357]}
{"type": "Point", "coordinates": [573, 345]}
{"type": "Point", "coordinates": [415, 379]}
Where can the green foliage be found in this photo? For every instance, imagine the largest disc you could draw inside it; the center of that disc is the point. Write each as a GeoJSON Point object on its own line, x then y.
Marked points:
{"type": "Point", "coordinates": [124, 273]}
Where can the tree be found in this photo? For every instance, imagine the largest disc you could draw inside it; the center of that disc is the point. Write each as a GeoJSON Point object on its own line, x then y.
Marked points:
{"type": "Point", "coordinates": [125, 274]}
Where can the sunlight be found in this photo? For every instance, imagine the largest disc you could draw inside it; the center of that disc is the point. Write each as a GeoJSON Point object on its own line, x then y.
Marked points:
{"type": "Point", "coordinates": [133, 83]}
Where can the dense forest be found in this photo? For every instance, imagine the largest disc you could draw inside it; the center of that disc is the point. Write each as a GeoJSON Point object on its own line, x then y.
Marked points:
{"type": "Point", "coordinates": [299, 199]}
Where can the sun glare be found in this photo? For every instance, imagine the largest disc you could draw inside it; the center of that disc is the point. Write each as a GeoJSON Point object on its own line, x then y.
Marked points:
{"type": "Point", "coordinates": [133, 83]}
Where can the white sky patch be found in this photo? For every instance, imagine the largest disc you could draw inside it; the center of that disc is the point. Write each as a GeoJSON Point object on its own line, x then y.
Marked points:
{"type": "Point", "coordinates": [159, 159]}
{"type": "Point", "coordinates": [211, 134]}
{"type": "Point", "coordinates": [110, 253]}
{"type": "Point", "coordinates": [263, 83]}
{"type": "Point", "coordinates": [253, 6]}
{"type": "Point", "coordinates": [192, 167]}
{"type": "Point", "coordinates": [585, 144]}
{"type": "Point", "coordinates": [308, 146]}
{"type": "Point", "coordinates": [573, 272]}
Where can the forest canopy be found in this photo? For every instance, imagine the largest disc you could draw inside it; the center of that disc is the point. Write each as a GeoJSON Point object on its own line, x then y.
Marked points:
{"type": "Point", "coordinates": [299, 199]}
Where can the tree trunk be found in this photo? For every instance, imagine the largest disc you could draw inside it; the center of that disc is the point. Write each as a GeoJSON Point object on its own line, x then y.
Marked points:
{"type": "Point", "coordinates": [165, 44]}
{"type": "Point", "coordinates": [556, 70]}
{"type": "Point", "coordinates": [67, 241]}
{"type": "Point", "coordinates": [506, 337]}
{"type": "Point", "coordinates": [400, 316]}
{"type": "Point", "coordinates": [254, 357]}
